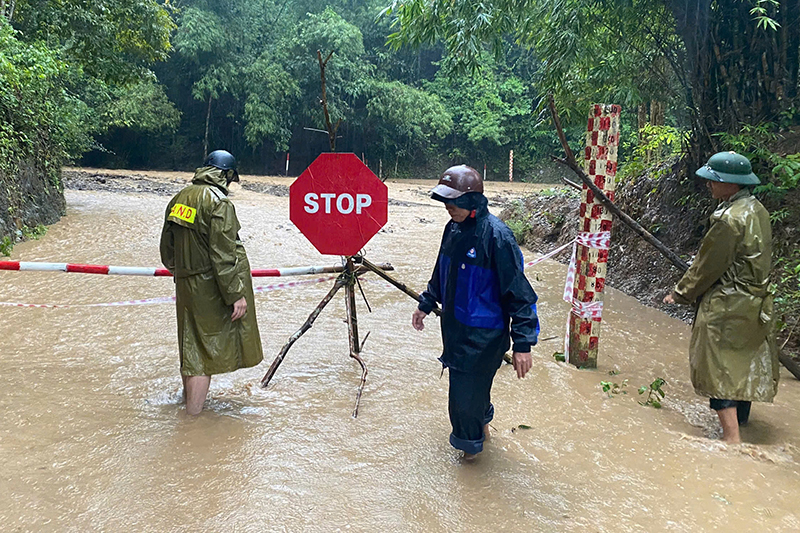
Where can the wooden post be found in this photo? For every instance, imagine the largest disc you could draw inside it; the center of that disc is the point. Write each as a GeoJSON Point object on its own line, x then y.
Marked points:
{"type": "Point", "coordinates": [600, 164]}
{"type": "Point", "coordinates": [352, 329]}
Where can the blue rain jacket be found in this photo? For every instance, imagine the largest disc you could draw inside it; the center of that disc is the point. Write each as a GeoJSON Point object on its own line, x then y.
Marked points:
{"type": "Point", "coordinates": [480, 282]}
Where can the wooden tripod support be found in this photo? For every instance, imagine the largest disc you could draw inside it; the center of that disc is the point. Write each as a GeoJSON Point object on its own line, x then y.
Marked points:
{"type": "Point", "coordinates": [354, 267]}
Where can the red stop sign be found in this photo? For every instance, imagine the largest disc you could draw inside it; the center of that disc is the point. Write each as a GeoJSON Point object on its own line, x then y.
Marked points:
{"type": "Point", "coordinates": [338, 204]}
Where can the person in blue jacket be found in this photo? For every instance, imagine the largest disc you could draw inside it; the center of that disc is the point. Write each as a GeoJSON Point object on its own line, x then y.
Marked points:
{"type": "Point", "coordinates": [480, 283]}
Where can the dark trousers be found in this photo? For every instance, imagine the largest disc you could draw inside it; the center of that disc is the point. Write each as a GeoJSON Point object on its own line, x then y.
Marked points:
{"type": "Point", "coordinates": [470, 408]}
{"type": "Point", "coordinates": [742, 408]}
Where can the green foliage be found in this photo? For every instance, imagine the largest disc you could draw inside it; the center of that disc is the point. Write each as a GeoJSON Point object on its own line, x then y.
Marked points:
{"type": "Point", "coordinates": [493, 109]}
{"type": "Point", "coordinates": [54, 73]}
{"type": "Point", "coordinates": [787, 289]}
{"type": "Point", "coordinates": [612, 389]}
{"type": "Point", "coordinates": [34, 233]}
{"type": "Point", "coordinates": [142, 106]}
{"type": "Point", "coordinates": [589, 51]}
{"type": "Point", "coordinates": [779, 174]}
{"type": "Point", "coordinates": [655, 393]}
{"type": "Point", "coordinates": [347, 74]}
{"type": "Point", "coordinates": [111, 40]}
{"type": "Point", "coordinates": [271, 91]}
{"type": "Point", "coordinates": [760, 14]}
{"type": "Point", "coordinates": [38, 115]}
{"type": "Point", "coordinates": [563, 192]}
{"type": "Point", "coordinates": [518, 221]}
{"type": "Point", "coordinates": [406, 117]}
{"type": "Point", "coordinates": [6, 246]}
{"type": "Point", "coordinates": [654, 145]}
{"type": "Point", "coordinates": [520, 228]}
{"type": "Point", "coordinates": [26, 233]}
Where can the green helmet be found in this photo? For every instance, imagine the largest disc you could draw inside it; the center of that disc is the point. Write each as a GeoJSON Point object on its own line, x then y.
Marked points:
{"type": "Point", "coordinates": [728, 167]}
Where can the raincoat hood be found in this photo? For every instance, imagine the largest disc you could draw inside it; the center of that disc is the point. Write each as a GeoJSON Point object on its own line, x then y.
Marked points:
{"type": "Point", "coordinates": [211, 176]}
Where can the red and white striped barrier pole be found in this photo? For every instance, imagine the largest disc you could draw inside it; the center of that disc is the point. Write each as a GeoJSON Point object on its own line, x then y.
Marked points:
{"type": "Point", "coordinates": [511, 166]}
{"type": "Point", "coordinates": [165, 299]}
{"type": "Point", "coordinates": [287, 164]}
{"type": "Point", "coordinates": [26, 266]}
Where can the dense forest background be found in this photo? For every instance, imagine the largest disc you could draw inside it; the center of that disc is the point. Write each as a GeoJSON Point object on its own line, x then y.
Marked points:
{"type": "Point", "coordinates": [416, 85]}
{"type": "Point", "coordinates": [157, 84]}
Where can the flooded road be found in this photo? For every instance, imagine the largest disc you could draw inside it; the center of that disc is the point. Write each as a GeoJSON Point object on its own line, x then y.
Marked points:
{"type": "Point", "coordinates": [93, 435]}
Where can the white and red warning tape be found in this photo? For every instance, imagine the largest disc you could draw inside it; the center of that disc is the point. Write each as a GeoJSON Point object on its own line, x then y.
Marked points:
{"type": "Point", "coordinates": [600, 240]}
{"type": "Point", "coordinates": [27, 266]}
{"type": "Point", "coordinates": [166, 299]}
{"type": "Point", "coordinates": [549, 254]}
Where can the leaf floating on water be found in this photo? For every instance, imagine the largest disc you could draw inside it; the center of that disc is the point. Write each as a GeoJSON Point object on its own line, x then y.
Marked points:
{"type": "Point", "coordinates": [559, 356]}
{"type": "Point", "coordinates": [523, 426]}
{"type": "Point", "coordinates": [720, 498]}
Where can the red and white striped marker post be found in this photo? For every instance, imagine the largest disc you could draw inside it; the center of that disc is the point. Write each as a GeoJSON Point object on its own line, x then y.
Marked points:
{"type": "Point", "coordinates": [286, 173]}
{"type": "Point", "coordinates": [511, 165]}
{"type": "Point", "coordinates": [26, 266]}
{"type": "Point", "coordinates": [591, 258]}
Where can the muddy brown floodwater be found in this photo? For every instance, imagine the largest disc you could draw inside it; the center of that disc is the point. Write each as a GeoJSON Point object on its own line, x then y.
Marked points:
{"type": "Point", "coordinates": [93, 436]}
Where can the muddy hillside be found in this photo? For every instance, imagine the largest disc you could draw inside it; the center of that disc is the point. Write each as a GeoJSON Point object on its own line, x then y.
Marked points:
{"type": "Point", "coordinates": [673, 207]}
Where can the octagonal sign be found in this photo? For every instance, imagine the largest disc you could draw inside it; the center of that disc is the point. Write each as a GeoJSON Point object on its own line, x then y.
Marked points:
{"type": "Point", "coordinates": [338, 204]}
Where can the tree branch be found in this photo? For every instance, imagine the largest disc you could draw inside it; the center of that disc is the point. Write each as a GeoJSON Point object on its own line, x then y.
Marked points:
{"type": "Point", "coordinates": [600, 195]}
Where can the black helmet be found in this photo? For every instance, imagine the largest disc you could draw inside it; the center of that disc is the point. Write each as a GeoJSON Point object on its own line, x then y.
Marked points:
{"type": "Point", "coordinates": [221, 159]}
{"type": "Point", "coordinates": [224, 161]}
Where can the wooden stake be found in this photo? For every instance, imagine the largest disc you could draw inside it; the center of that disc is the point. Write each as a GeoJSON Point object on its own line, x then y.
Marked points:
{"type": "Point", "coordinates": [352, 329]}
{"type": "Point", "coordinates": [340, 282]}
{"type": "Point", "coordinates": [374, 268]}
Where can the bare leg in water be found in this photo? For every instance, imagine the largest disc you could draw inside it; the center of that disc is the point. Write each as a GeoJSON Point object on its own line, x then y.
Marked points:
{"type": "Point", "coordinates": [195, 390]}
{"type": "Point", "coordinates": [730, 425]}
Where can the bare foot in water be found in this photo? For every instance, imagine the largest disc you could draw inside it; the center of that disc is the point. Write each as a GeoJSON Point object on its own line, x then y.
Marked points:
{"type": "Point", "coordinates": [486, 434]}
{"type": "Point", "coordinates": [469, 457]}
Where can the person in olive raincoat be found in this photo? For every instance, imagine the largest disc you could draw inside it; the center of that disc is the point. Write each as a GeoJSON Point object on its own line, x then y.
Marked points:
{"type": "Point", "coordinates": [485, 297]}
{"type": "Point", "coordinates": [217, 328]}
{"type": "Point", "coordinates": [733, 356]}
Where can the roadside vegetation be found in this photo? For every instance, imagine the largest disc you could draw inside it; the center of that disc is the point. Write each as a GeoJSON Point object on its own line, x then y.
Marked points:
{"type": "Point", "coordinates": [158, 83]}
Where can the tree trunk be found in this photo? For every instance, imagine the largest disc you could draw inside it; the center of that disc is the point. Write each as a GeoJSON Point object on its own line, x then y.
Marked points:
{"type": "Point", "coordinates": [642, 120]}
{"type": "Point", "coordinates": [791, 10]}
{"type": "Point", "coordinates": [7, 9]}
{"type": "Point", "coordinates": [208, 120]}
{"type": "Point", "coordinates": [330, 127]}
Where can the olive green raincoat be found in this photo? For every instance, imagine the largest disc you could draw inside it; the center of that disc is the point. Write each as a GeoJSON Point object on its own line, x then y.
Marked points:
{"type": "Point", "coordinates": [733, 355]}
{"type": "Point", "coordinates": [201, 247]}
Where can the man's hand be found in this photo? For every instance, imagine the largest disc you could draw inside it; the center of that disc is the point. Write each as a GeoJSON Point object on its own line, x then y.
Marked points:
{"type": "Point", "coordinates": [522, 363]}
{"type": "Point", "coordinates": [669, 299]}
{"type": "Point", "coordinates": [239, 309]}
{"type": "Point", "coordinates": [417, 318]}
